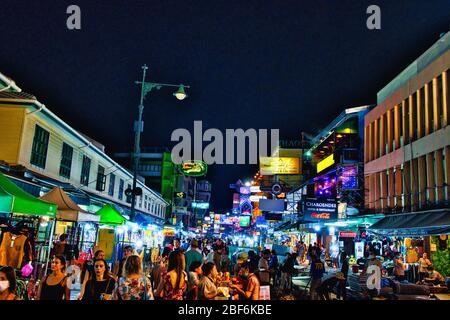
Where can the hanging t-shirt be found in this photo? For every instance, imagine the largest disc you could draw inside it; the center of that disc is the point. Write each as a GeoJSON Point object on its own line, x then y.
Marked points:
{"type": "Point", "coordinates": [12, 250]}
{"type": "Point", "coordinates": [412, 255]}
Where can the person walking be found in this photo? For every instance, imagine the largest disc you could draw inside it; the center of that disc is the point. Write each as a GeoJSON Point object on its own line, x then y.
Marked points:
{"type": "Point", "coordinates": [225, 262]}
{"type": "Point", "coordinates": [128, 251]}
{"type": "Point", "coordinates": [287, 270]}
{"type": "Point", "coordinates": [173, 284]}
{"type": "Point", "coordinates": [341, 289]}
{"type": "Point", "coordinates": [54, 286]}
{"type": "Point", "coordinates": [133, 285]}
{"type": "Point", "coordinates": [160, 268]}
{"type": "Point", "coordinates": [317, 270]}
{"type": "Point", "coordinates": [273, 265]}
{"type": "Point", "coordinates": [193, 254]}
{"type": "Point", "coordinates": [263, 268]}
{"type": "Point", "coordinates": [8, 284]}
{"type": "Point", "coordinates": [88, 270]}
{"type": "Point", "coordinates": [101, 284]}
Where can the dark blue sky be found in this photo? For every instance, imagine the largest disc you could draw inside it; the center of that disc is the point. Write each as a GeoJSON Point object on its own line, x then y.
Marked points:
{"type": "Point", "coordinates": [292, 65]}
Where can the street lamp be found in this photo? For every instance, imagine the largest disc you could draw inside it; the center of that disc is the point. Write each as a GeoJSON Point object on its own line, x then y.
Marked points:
{"type": "Point", "coordinates": [146, 87]}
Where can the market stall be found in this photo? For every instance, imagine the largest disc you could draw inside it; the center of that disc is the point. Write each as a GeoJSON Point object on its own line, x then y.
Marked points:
{"type": "Point", "coordinates": [78, 224]}
{"type": "Point", "coordinates": [27, 222]}
{"type": "Point", "coordinates": [108, 239]}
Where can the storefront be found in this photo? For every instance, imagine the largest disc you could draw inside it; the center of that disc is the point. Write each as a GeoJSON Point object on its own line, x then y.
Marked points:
{"type": "Point", "coordinates": [414, 234]}
{"type": "Point", "coordinates": [29, 222]}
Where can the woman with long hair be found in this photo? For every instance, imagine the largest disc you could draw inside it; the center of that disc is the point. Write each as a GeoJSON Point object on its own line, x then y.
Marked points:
{"type": "Point", "coordinates": [134, 285]}
{"type": "Point", "coordinates": [54, 286]}
{"type": "Point", "coordinates": [8, 284]}
{"type": "Point", "coordinates": [101, 285]}
{"type": "Point", "coordinates": [174, 283]}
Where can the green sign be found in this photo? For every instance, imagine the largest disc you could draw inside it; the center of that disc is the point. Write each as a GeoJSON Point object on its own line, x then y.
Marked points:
{"type": "Point", "coordinates": [193, 168]}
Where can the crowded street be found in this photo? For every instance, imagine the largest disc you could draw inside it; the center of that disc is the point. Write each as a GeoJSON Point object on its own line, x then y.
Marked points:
{"type": "Point", "coordinates": [288, 152]}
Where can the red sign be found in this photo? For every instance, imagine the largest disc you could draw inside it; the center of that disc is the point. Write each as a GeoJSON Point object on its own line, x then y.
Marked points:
{"type": "Point", "coordinates": [320, 215]}
{"type": "Point", "coordinates": [343, 234]}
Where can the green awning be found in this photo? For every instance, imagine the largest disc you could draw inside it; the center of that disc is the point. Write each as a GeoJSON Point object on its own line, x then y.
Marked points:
{"type": "Point", "coordinates": [14, 200]}
{"type": "Point", "coordinates": [110, 216]}
{"type": "Point", "coordinates": [6, 201]}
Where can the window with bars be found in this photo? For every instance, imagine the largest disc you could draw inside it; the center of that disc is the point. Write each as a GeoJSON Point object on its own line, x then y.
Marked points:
{"type": "Point", "coordinates": [101, 179]}
{"type": "Point", "coordinates": [112, 182]}
{"type": "Point", "coordinates": [66, 161]}
{"type": "Point", "coordinates": [121, 185]}
{"type": "Point", "coordinates": [85, 170]}
{"type": "Point", "coordinates": [40, 146]}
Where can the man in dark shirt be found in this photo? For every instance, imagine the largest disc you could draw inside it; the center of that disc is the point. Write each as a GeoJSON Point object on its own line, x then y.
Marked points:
{"type": "Point", "coordinates": [327, 285]}
{"type": "Point", "coordinates": [341, 291]}
{"type": "Point", "coordinates": [128, 251]}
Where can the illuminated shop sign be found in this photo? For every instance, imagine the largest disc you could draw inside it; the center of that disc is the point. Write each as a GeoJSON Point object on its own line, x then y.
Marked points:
{"type": "Point", "coordinates": [244, 221]}
{"type": "Point", "coordinates": [278, 165]}
{"type": "Point", "coordinates": [325, 163]}
{"type": "Point", "coordinates": [193, 168]}
{"type": "Point", "coordinates": [200, 205]}
{"type": "Point", "coordinates": [343, 234]}
{"type": "Point", "coordinates": [320, 210]}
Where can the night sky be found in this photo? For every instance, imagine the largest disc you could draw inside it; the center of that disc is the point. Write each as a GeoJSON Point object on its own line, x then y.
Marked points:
{"type": "Point", "coordinates": [292, 65]}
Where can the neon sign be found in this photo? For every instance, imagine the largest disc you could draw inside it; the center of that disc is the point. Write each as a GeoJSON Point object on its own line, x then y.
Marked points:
{"type": "Point", "coordinates": [193, 168]}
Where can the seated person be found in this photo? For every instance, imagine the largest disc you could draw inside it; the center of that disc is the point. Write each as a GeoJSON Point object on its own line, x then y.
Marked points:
{"type": "Point", "coordinates": [434, 276]}
{"type": "Point", "coordinates": [327, 286]}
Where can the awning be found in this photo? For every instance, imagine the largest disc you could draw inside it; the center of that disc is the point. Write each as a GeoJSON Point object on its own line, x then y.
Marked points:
{"type": "Point", "coordinates": [68, 210]}
{"type": "Point", "coordinates": [14, 200]}
{"type": "Point", "coordinates": [110, 216]}
{"type": "Point", "coordinates": [433, 222]}
{"type": "Point", "coordinates": [142, 218]}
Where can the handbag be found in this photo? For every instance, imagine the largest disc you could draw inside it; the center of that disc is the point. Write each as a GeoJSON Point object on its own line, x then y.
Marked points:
{"type": "Point", "coordinates": [105, 295]}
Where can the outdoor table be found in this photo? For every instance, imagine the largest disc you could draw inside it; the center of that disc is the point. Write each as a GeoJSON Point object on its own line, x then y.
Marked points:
{"type": "Point", "coordinates": [442, 296]}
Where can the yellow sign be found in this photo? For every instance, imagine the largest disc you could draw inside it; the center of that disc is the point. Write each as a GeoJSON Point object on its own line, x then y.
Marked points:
{"type": "Point", "coordinates": [325, 163]}
{"type": "Point", "coordinates": [275, 165]}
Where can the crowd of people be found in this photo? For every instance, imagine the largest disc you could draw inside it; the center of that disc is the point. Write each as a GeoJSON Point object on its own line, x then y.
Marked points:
{"type": "Point", "coordinates": [204, 270]}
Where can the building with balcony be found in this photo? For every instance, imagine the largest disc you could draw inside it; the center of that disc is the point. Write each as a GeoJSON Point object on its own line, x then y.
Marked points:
{"type": "Point", "coordinates": [407, 147]}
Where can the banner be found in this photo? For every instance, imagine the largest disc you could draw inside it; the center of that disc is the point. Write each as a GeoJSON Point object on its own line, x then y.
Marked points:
{"type": "Point", "coordinates": [274, 165]}
{"type": "Point", "coordinates": [319, 210]}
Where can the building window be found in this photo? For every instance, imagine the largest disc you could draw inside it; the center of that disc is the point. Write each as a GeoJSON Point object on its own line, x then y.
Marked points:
{"type": "Point", "coordinates": [112, 182]}
{"type": "Point", "coordinates": [85, 169]}
{"type": "Point", "coordinates": [66, 161]}
{"type": "Point", "coordinates": [445, 175]}
{"type": "Point", "coordinates": [101, 179]}
{"type": "Point", "coordinates": [440, 102]}
{"type": "Point", "coordinates": [40, 146]}
{"type": "Point", "coordinates": [421, 112]}
{"type": "Point", "coordinates": [121, 184]}
{"type": "Point", "coordinates": [128, 198]}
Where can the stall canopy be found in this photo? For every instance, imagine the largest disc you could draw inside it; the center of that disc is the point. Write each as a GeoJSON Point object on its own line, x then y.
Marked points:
{"type": "Point", "coordinates": [426, 223]}
{"type": "Point", "coordinates": [68, 210]}
{"type": "Point", "coordinates": [110, 216]}
{"type": "Point", "coordinates": [142, 218]}
{"type": "Point", "coordinates": [14, 200]}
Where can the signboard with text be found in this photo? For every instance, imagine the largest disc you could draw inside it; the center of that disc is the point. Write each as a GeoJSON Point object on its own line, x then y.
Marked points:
{"type": "Point", "coordinates": [315, 210]}
{"type": "Point", "coordinates": [278, 165]}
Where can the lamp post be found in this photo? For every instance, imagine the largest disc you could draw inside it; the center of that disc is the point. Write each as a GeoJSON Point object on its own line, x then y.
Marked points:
{"type": "Point", "coordinates": [146, 87]}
